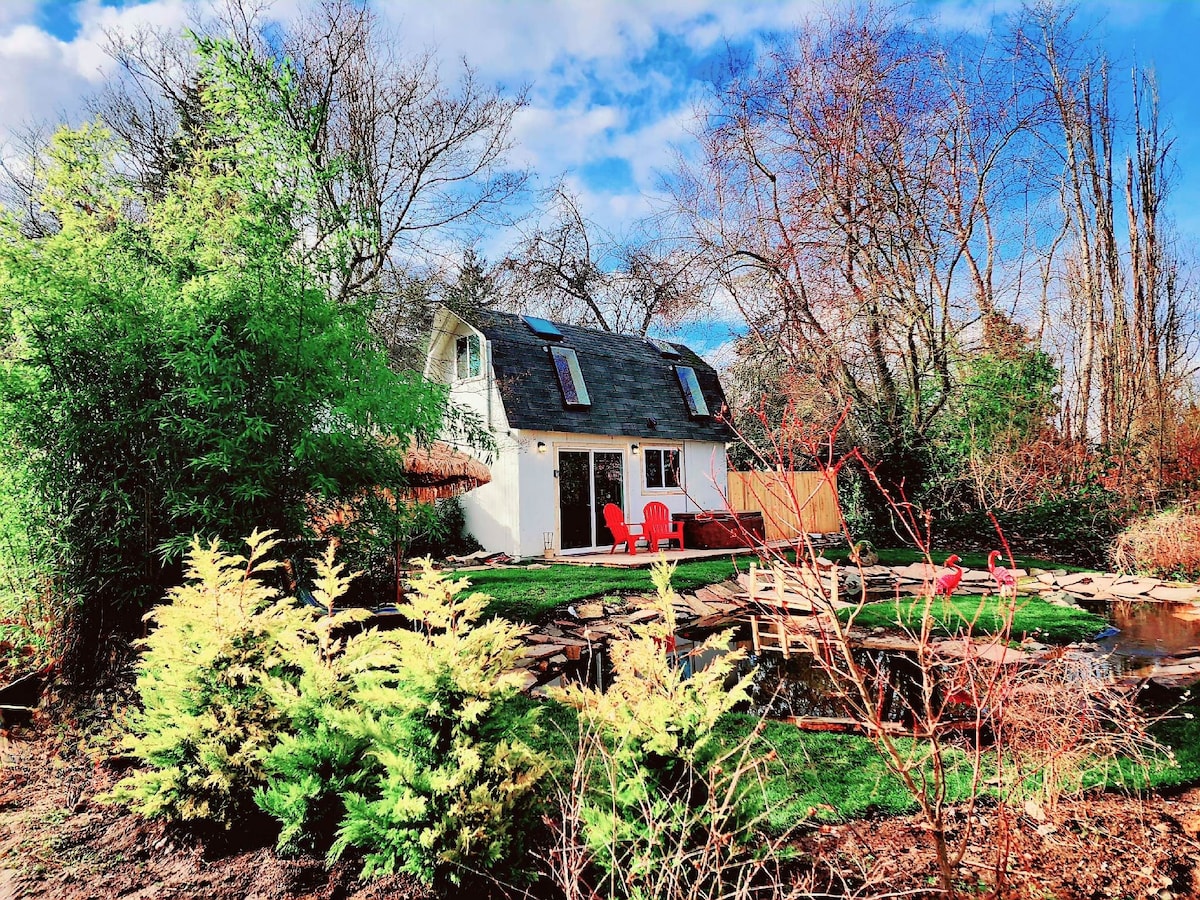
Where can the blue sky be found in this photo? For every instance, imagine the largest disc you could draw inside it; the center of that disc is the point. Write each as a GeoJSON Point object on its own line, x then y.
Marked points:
{"type": "Point", "coordinates": [611, 83]}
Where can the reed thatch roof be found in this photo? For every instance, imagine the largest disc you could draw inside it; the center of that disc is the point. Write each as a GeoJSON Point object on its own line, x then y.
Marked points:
{"type": "Point", "coordinates": [439, 471]}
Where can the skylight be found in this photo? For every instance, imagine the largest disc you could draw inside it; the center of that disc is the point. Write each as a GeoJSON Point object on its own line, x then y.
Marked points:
{"type": "Point", "coordinates": [667, 350]}
{"type": "Point", "coordinates": [570, 376]}
{"type": "Point", "coordinates": [691, 391]}
{"type": "Point", "coordinates": [542, 328]}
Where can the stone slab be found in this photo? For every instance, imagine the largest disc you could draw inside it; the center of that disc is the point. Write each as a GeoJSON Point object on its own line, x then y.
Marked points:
{"type": "Point", "coordinates": [1132, 587]}
{"type": "Point", "coordinates": [542, 651]}
{"type": "Point", "coordinates": [1175, 594]}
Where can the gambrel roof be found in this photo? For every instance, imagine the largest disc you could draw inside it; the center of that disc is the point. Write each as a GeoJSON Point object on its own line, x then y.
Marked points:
{"type": "Point", "coordinates": [633, 384]}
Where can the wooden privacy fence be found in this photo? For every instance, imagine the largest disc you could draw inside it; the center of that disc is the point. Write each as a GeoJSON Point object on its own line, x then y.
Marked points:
{"type": "Point", "coordinates": [791, 502]}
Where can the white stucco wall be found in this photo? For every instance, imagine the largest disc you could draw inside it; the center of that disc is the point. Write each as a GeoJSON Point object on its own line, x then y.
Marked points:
{"type": "Point", "coordinates": [704, 480]}
{"type": "Point", "coordinates": [492, 512]}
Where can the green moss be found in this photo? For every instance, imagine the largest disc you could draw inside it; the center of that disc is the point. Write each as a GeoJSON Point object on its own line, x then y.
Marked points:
{"type": "Point", "coordinates": [1033, 618]}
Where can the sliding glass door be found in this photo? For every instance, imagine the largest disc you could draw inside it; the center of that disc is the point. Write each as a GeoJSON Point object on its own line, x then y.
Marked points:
{"type": "Point", "coordinates": [587, 481]}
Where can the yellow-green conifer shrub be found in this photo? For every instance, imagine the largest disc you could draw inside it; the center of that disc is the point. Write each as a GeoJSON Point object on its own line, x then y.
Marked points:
{"type": "Point", "coordinates": [450, 778]}
{"type": "Point", "coordinates": [206, 681]}
{"type": "Point", "coordinates": [658, 794]}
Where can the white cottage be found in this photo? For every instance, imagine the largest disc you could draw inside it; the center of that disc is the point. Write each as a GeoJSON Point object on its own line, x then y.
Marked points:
{"type": "Point", "coordinates": [581, 418]}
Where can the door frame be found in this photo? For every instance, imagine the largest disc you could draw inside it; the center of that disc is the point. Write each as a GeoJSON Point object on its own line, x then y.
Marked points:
{"type": "Point", "coordinates": [591, 450]}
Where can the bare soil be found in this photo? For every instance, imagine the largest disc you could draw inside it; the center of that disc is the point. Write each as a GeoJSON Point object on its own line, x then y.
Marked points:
{"type": "Point", "coordinates": [58, 841]}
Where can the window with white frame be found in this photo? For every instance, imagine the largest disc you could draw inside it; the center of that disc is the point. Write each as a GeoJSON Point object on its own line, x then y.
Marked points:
{"type": "Point", "coordinates": [467, 357]}
{"type": "Point", "coordinates": [661, 467]}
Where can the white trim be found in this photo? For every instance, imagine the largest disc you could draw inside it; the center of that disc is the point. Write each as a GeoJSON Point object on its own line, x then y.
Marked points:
{"type": "Point", "coordinates": [680, 488]}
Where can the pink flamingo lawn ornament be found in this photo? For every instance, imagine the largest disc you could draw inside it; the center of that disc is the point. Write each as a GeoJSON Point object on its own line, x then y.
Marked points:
{"type": "Point", "coordinates": [947, 582]}
{"type": "Point", "coordinates": [1005, 580]}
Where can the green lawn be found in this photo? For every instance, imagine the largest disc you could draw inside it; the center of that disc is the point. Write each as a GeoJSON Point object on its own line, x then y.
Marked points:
{"type": "Point", "coordinates": [523, 594]}
{"type": "Point", "coordinates": [1034, 617]}
{"type": "Point", "coordinates": [821, 776]}
{"type": "Point", "coordinates": [528, 595]}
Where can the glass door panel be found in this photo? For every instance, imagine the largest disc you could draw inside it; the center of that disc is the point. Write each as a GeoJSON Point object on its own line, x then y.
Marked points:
{"type": "Point", "coordinates": [575, 499]}
{"type": "Point", "coordinates": [608, 480]}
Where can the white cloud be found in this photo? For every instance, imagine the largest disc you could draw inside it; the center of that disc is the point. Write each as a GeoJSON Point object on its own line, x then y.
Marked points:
{"type": "Point", "coordinates": [14, 11]}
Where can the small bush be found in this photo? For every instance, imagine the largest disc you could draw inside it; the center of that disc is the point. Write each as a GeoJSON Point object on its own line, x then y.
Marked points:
{"type": "Point", "coordinates": [1166, 544]}
{"type": "Point", "coordinates": [413, 741]}
{"type": "Point", "coordinates": [208, 715]}
{"type": "Point", "coordinates": [654, 805]}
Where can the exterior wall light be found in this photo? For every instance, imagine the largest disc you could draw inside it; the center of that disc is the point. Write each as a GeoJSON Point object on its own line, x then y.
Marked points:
{"type": "Point", "coordinates": [634, 448]}
{"type": "Point", "coordinates": [541, 446]}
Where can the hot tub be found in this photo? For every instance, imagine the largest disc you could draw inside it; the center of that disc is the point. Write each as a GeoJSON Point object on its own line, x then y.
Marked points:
{"type": "Point", "coordinates": [719, 530]}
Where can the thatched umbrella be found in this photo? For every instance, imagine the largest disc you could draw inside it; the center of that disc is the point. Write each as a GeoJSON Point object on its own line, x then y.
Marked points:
{"type": "Point", "coordinates": [439, 471]}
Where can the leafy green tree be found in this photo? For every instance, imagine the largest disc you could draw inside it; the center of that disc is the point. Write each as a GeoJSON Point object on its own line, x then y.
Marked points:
{"type": "Point", "coordinates": [180, 366]}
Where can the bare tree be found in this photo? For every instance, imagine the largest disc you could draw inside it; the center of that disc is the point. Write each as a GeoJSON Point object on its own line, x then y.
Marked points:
{"type": "Point", "coordinates": [846, 195]}
{"type": "Point", "coordinates": [1125, 307]}
{"type": "Point", "coordinates": [573, 270]}
{"type": "Point", "coordinates": [412, 157]}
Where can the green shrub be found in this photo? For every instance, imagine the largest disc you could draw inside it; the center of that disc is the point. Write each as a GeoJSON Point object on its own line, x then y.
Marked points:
{"type": "Point", "coordinates": [660, 810]}
{"type": "Point", "coordinates": [414, 739]}
{"type": "Point", "coordinates": [1075, 528]}
{"type": "Point", "coordinates": [208, 712]}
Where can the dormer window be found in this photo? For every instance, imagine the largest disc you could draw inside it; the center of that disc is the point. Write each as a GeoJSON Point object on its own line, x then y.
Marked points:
{"type": "Point", "coordinates": [570, 376]}
{"type": "Point", "coordinates": [468, 358]}
{"type": "Point", "coordinates": [691, 391]}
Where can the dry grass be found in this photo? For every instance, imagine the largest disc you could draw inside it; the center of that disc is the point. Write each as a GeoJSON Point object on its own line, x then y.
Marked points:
{"type": "Point", "coordinates": [1165, 544]}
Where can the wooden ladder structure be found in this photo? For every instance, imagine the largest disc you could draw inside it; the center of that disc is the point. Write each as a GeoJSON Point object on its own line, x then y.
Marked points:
{"type": "Point", "coordinates": [781, 599]}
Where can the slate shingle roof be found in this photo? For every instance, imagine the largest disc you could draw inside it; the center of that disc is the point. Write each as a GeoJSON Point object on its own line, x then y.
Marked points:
{"type": "Point", "coordinates": [630, 383]}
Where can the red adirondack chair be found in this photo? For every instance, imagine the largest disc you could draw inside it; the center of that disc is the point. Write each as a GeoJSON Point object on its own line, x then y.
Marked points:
{"type": "Point", "coordinates": [614, 518]}
{"type": "Point", "coordinates": [658, 525]}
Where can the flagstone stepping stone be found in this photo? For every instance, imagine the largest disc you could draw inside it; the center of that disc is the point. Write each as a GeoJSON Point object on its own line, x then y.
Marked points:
{"type": "Point", "coordinates": [1133, 587]}
{"type": "Point", "coordinates": [528, 681]}
{"type": "Point", "coordinates": [644, 615]}
{"type": "Point", "coordinates": [991, 652]}
{"type": "Point", "coordinates": [1089, 584]}
{"type": "Point", "coordinates": [878, 571]}
{"type": "Point", "coordinates": [1060, 598]}
{"type": "Point", "coordinates": [1175, 594]}
{"type": "Point", "coordinates": [1174, 674]}
{"type": "Point", "coordinates": [699, 607]}
{"type": "Point", "coordinates": [542, 651]}
{"type": "Point", "coordinates": [918, 572]}
{"type": "Point", "coordinates": [1075, 578]}
{"type": "Point", "coordinates": [977, 575]}
{"type": "Point", "coordinates": [1047, 577]}
{"type": "Point", "coordinates": [722, 620]}
{"type": "Point", "coordinates": [588, 611]}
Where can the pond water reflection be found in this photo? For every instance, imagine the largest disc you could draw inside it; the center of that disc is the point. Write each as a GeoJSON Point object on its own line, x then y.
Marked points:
{"type": "Point", "coordinates": [1148, 632]}
{"type": "Point", "coordinates": [800, 686]}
